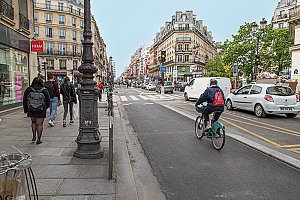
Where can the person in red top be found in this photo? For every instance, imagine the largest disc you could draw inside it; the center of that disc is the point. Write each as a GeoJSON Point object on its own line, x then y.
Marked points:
{"type": "Point", "coordinates": [101, 88]}
{"type": "Point", "coordinates": [53, 89]}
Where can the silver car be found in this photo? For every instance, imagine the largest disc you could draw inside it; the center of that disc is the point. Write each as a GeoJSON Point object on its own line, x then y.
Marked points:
{"type": "Point", "coordinates": [265, 99]}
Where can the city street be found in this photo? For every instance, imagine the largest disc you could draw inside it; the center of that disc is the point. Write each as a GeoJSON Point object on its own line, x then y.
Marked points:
{"type": "Point", "coordinates": [188, 168]}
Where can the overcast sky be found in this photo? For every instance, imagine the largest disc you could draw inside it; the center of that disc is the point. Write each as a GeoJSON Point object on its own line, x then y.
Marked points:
{"type": "Point", "coordinates": [125, 25]}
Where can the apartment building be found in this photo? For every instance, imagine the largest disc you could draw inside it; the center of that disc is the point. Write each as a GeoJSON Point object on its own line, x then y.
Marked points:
{"type": "Point", "coordinates": [60, 23]}
{"type": "Point", "coordinates": [17, 63]}
{"type": "Point", "coordinates": [188, 44]}
{"type": "Point", "coordinates": [282, 13]}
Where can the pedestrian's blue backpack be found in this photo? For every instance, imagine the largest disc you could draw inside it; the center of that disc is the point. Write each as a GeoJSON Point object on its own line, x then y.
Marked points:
{"type": "Point", "coordinates": [36, 100]}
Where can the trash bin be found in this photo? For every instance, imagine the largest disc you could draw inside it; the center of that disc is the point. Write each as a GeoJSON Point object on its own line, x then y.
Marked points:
{"type": "Point", "coordinates": [16, 177]}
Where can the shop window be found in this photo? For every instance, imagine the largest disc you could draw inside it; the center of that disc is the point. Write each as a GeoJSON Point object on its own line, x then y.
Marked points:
{"type": "Point", "coordinates": [14, 77]}
{"type": "Point", "coordinates": [50, 64]}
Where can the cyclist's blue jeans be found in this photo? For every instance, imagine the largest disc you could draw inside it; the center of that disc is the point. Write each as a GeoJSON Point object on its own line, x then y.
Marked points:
{"type": "Point", "coordinates": [53, 107]}
{"type": "Point", "coordinates": [210, 109]}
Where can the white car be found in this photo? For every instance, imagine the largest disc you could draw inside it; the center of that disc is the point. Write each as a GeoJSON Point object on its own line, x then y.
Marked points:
{"type": "Point", "coordinates": [151, 86]}
{"type": "Point", "coordinates": [265, 99]}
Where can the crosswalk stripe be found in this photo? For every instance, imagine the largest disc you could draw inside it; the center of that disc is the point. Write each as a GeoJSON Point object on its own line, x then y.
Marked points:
{"type": "Point", "coordinates": [152, 96]}
{"type": "Point", "coordinates": [143, 97]}
{"type": "Point", "coordinates": [123, 98]}
{"type": "Point", "coordinates": [134, 98]}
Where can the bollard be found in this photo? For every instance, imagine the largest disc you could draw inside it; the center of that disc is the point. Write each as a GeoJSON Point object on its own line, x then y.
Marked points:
{"type": "Point", "coordinates": [110, 143]}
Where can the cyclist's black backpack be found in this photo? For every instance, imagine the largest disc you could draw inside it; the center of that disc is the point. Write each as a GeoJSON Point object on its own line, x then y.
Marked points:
{"type": "Point", "coordinates": [50, 88]}
{"type": "Point", "coordinates": [36, 100]}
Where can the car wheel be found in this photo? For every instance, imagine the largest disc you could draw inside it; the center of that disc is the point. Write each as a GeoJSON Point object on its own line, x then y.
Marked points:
{"type": "Point", "coordinates": [229, 105]}
{"type": "Point", "coordinates": [259, 111]}
{"type": "Point", "coordinates": [291, 115]}
{"type": "Point", "coordinates": [186, 97]}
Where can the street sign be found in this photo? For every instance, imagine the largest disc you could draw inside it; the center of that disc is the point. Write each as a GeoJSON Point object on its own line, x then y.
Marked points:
{"type": "Point", "coordinates": [193, 67]}
{"type": "Point", "coordinates": [163, 69]}
{"type": "Point", "coordinates": [235, 69]}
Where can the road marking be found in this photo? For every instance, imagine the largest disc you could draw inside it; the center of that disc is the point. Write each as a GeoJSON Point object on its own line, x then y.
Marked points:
{"type": "Point", "coordinates": [148, 103]}
{"type": "Point", "coordinates": [123, 98]}
{"type": "Point", "coordinates": [252, 133]}
{"type": "Point", "coordinates": [126, 104]}
{"type": "Point", "coordinates": [272, 129]}
{"type": "Point", "coordinates": [134, 98]}
{"type": "Point", "coordinates": [143, 97]}
{"type": "Point", "coordinates": [290, 146]}
{"type": "Point", "coordinates": [277, 127]}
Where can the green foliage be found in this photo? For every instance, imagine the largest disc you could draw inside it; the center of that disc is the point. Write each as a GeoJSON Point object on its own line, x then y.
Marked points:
{"type": "Point", "coordinates": [216, 67]}
{"type": "Point", "coordinates": [272, 45]}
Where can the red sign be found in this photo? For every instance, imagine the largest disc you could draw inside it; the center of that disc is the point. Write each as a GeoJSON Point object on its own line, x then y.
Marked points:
{"type": "Point", "coordinates": [148, 62]}
{"type": "Point", "coordinates": [37, 46]}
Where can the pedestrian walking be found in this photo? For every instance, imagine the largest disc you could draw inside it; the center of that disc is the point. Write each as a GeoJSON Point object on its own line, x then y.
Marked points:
{"type": "Point", "coordinates": [53, 89]}
{"type": "Point", "coordinates": [36, 101]}
{"type": "Point", "coordinates": [67, 90]}
{"type": "Point", "coordinates": [101, 88]}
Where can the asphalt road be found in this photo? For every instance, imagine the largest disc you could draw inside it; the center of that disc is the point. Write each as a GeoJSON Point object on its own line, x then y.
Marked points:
{"type": "Point", "coordinates": [188, 168]}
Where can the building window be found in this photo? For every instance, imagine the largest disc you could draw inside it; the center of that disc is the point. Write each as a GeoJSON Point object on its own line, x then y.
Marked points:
{"type": "Point", "coordinates": [62, 33]}
{"type": "Point", "coordinates": [61, 19]}
{"type": "Point", "coordinates": [60, 6]}
{"type": "Point", "coordinates": [49, 32]}
{"type": "Point", "coordinates": [280, 25]}
{"type": "Point", "coordinates": [48, 17]}
{"type": "Point", "coordinates": [79, 11]}
{"type": "Point", "coordinates": [81, 23]}
{"type": "Point", "coordinates": [75, 64]}
{"type": "Point", "coordinates": [62, 64]}
{"type": "Point", "coordinates": [73, 21]}
{"type": "Point", "coordinates": [81, 37]}
{"type": "Point", "coordinates": [179, 47]}
{"type": "Point", "coordinates": [49, 48]}
{"type": "Point", "coordinates": [48, 4]}
{"type": "Point", "coordinates": [50, 64]}
{"type": "Point", "coordinates": [35, 15]}
{"type": "Point", "coordinates": [36, 31]}
{"type": "Point", "coordinates": [62, 48]}
{"type": "Point", "coordinates": [186, 58]}
{"type": "Point", "coordinates": [179, 58]}
{"type": "Point", "coordinates": [187, 26]}
{"type": "Point", "coordinates": [74, 35]}
{"type": "Point", "coordinates": [74, 49]}
{"type": "Point", "coordinates": [187, 47]}
{"type": "Point", "coordinates": [71, 8]}
{"type": "Point", "coordinates": [34, 3]}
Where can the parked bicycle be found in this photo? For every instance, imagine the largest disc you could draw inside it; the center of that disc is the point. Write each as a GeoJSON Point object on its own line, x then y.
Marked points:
{"type": "Point", "coordinates": [216, 133]}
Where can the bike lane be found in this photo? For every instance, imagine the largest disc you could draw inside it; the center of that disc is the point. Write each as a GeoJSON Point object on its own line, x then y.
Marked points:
{"type": "Point", "coordinates": [188, 168]}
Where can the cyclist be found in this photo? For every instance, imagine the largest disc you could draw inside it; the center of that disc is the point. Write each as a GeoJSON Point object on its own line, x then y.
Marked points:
{"type": "Point", "coordinates": [215, 99]}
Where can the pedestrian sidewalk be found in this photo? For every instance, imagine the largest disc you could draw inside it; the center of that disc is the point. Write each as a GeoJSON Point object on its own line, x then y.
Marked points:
{"type": "Point", "coordinates": [60, 175]}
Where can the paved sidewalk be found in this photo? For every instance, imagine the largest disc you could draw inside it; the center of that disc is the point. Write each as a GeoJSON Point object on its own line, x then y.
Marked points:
{"type": "Point", "coordinates": [59, 175]}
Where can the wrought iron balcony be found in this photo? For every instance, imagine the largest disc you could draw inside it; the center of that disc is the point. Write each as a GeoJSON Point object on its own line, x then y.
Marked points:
{"type": "Point", "coordinates": [60, 53]}
{"type": "Point", "coordinates": [6, 10]}
{"type": "Point", "coordinates": [59, 8]}
{"type": "Point", "coordinates": [184, 50]}
{"type": "Point", "coordinates": [183, 39]}
{"type": "Point", "coordinates": [24, 22]}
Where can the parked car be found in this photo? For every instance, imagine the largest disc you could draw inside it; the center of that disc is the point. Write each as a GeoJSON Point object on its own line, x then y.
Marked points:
{"type": "Point", "coordinates": [198, 85]}
{"type": "Point", "coordinates": [265, 99]}
{"type": "Point", "coordinates": [168, 87]}
{"type": "Point", "coordinates": [151, 86]}
{"type": "Point", "coordinates": [180, 86]}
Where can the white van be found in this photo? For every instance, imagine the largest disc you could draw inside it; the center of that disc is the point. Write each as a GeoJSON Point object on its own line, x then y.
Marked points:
{"type": "Point", "coordinates": [197, 86]}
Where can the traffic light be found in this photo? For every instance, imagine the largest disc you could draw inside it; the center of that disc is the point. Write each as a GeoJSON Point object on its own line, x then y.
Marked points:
{"type": "Point", "coordinates": [257, 60]}
{"type": "Point", "coordinates": [163, 56]}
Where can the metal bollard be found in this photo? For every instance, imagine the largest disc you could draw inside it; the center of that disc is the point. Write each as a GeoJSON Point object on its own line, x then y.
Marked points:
{"type": "Point", "coordinates": [110, 143]}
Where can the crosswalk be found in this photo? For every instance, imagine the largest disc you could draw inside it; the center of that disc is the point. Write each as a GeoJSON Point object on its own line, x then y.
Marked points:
{"type": "Point", "coordinates": [146, 97]}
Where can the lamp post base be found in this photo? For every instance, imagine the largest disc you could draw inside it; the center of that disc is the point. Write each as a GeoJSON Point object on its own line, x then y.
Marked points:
{"type": "Point", "coordinates": [88, 150]}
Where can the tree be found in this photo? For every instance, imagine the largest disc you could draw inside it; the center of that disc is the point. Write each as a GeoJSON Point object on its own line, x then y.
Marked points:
{"type": "Point", "coordinates": [216, 67]}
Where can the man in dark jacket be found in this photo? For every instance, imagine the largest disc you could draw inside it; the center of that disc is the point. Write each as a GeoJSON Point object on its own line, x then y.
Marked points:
{"type": "Point", "coordinates": [208, 96]}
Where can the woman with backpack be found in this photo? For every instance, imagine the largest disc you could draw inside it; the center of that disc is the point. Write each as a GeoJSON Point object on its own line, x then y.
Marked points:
{"type": "Point", "coordinates": [36, 101]}
{"type": "Point", "coordinates": [67, 90]}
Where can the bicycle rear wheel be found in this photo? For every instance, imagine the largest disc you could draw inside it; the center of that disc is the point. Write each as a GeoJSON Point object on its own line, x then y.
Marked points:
{"type": "Point", "coordinates": [218, 139]}
{"type": "Point", "coordinates": [199, 127]}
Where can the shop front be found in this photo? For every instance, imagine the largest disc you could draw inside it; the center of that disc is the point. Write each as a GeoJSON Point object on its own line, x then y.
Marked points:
{"type": "Point", "coordinates": [14, 69]}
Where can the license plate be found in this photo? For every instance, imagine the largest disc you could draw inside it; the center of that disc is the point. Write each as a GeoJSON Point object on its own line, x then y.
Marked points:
{"type": "Point", "coordinates": [287, 108]}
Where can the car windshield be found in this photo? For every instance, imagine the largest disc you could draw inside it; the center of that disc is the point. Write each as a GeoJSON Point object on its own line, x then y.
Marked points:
{"type": "Point", "coordinates": [168, 83]}
{"type": "Point", "coordinates": [280, 91]}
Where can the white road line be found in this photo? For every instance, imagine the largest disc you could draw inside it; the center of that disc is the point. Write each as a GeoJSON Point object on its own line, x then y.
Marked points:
{"type": "Point", "coordinates": [134, 98]}
{"type": "Point", "coordinates": [152, 96]}
{"type": "Point", "coordinates": [143, 97]}
{"type": "Point", "coordinates": [123, 98]}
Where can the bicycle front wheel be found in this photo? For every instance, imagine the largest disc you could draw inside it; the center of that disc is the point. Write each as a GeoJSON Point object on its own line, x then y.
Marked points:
{"type": "Point", "coordinates": [199, 127]}
{"type": "Point", "coordinates": [218, 139]}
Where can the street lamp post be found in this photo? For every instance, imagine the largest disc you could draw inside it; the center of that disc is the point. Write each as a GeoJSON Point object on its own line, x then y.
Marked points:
{"type": "Point", "coordinates": [88, 139]}
{"type": "Point", "coordinates": [258, 33]}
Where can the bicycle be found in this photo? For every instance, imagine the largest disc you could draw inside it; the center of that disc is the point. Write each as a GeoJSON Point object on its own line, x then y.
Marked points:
{"type": "Point", "coordinates": [216, 133]}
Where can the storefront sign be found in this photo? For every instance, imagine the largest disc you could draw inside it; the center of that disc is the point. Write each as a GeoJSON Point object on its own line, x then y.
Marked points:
{"type": "Point", "coordinates": [37, 46]}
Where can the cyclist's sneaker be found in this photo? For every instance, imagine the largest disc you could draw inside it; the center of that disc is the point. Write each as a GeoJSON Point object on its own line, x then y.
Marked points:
{"type": "Point", "coordinates": [207, 128]}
